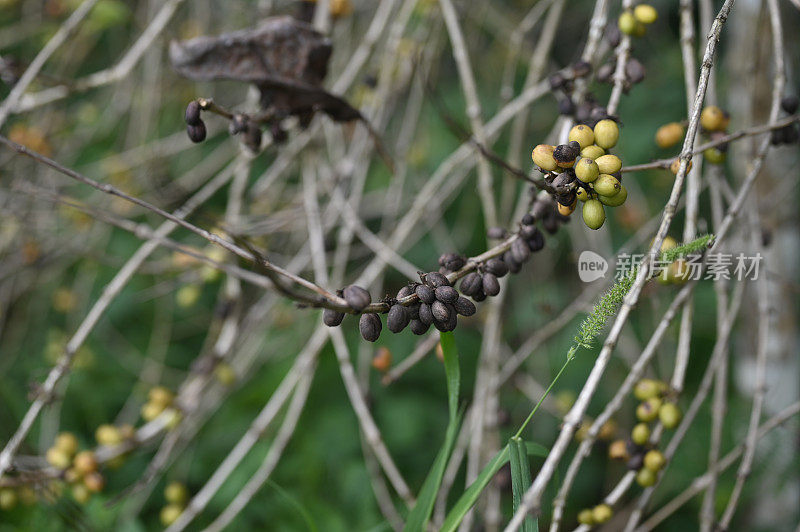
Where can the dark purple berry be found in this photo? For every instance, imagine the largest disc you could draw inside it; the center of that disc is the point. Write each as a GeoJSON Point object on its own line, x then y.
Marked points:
{"type": "Point", "coordinates": [397, 319]}
{"type": "Point", "coordinates": [446, 294]}
{"type": "Point", "coordinates": [496, 267]}
{"type": "Point", "coordinates": [197, 132]}
{"type": "Point", "coordinates": [426, 294]}
{"type": "Point", "coordinates": [332, 318]}
{"type": "Point", "coordinates": [370, 327]}
{"type": "Point", "coordinates": [440, 312]}
{"type": "Point", "coordinates": [491, 286]}
{"type": "Point", "coordinates": [356, 297]}
{"type": "Point", "coordinates": [464, 306]}
{"type": "Point", "coordinates": [192, 114]}
{"type": "Point", "coordinates": [418, 328]}
{"type": "Point", "coordinates": [790, 104]}
{"type": "Point", "coordinates": [496, 233]}
{"type": "Point", "coordinates": [425, 314]}
{"type": "Point", "coordinates": [471, 284]}
{"type": "Point", "coordinates": [436, 279]}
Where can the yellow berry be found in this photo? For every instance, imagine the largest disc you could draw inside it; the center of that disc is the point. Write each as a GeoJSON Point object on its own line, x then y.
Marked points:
{"type": "Point", "coordinates": [581, 194]}
{"type": "Point", "coordinates": [669, 134]}
{"type": "Point", "coordinates": [712, 118]}
{"type": "Point", "coordinates": [648, 410]}
{"type": "Point", "coordinates": [670, 415]}
{"type": "Point", "coordinates": [57, 458]}
{"type": "Point", "coordinates": [85, 462]}
{"type": "Point", "coordinates": [602, 513]}
{"type": "Point", "coordinates": [542, 156]}
{"type": "Point", "coordinates": [587, 170]}
{"type": "Point", "coordinates": [593, 214]}
{"type": "Point", "coordinates": [108, 435]}
{"type": "Point", "coordinates": [566, 210]}
{"type": "Point", "coordinates": [618, 450]}
{"type": "Point", "coordinates": [225, 374]}
{"type": "Point", "coordinates": [585, 517]}
{"type": "Point", "coordinates": [606, 134]}
{"type": "Point", "coordinates": [170, 513]}
{"type": "Point", "coordinates": [340, 8]}
{"type": "Point", "coordinates": [67, 442]}
{"type": "Point", "coordinates": [81, 493]}
{"type": "Point", "coordinates": [608, 430]}
{"type": "Point", "coordinates": [676, 165]}
{"type": "Point", "coordinates": [160, 396]}
{"type": "Point", "coordinates": [187, 295]}
{"type": "Point", "coordinates": [640, 434]}
{"type": "Point", "coordinates": [654, 460]}
{"type": "Point", "coordinates": [648, 388]}
{"type": "Point", "coordinates": [8, 499]}
{"type": "Point", "coordinates": [609, 164]}
{"type": "Point", "coordinates": [617, 199]}
{"type": "Point", "coordinates": [645, 13]}
{"type": "Point", "coordinates": [606, 185]}
{"type": "Point", "coordinates": [593, 152]}
{"type": "Point", "coordinates": [582, 134]}
{"type": "Point", "coordinates": [150, 411]}
{"type": "Point", "coordinates": [646, 477]}
{"type": "Point", "coordinates": [714, 155]}
{"type": "Point", "coordinates": [176, 493]}
{"type": "Point", "coordinates": [627, 23]}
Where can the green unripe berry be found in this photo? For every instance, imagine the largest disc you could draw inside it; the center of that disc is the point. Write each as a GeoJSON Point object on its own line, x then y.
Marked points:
{"type": "Point", "coordinates": [587, 170]}
{"type": "Point", "coordinates": [670, 415]}
{"type": "Point", "coordinates": [8, 499]}
{"type": "Point", "coordinates": [176, 493]}
{"type": "Point", "coordinates": [542, 156]}
{"type": "Point", "coordinates": [585, 517]}
{"type": "Point", "coordinates": [593, 152]}
{"type": "Point", "coordinates": [645, 13]}
{"type": "Point", "coordinates": [714, 155]}
{"type": "Point", "coordinates": [609, 164]}
{"type": "Point", "coordinates": [602, 513]}
{"type": "Point", "coordinates": [225, 374]}
{"type": "Point", "coordinates": [617, 199]}
{"type": "Point", "coordinates": [646, 477]}
{"type": "Point", "coordinates": [582, 134]}
{"type": "Point", "coordinates": [654, 460]}
{"type": "Point", "coordinates": [606, 185]}
{"type": "Point", "coordinates": [81, 493]}
{"type": "Point", "coordinates": [581, 194]}
{"type": "Point", "coordinates": [640, 434]}
{"type": "Point", "coordinates": [170, 513]}
{"type": "Point", "coordinates": [648, 410]}
{"type": "Point", "coordinates": [593, 214]}
{"type": "Point", "coordinates": [606, 134]}
{"type": "Point", "coordinates": [647, 389]}
{"type": "Point", "coordinates": [627, 23]}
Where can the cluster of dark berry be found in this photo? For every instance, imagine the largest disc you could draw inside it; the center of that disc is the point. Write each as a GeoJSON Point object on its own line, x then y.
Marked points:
{"type": "Point", "coordinates": [562, 83]}
{"type": "Point", "coordinates": [634, 73]}
{"type": "Point", "coordinates": [435, 300]}
{"type": "Point", "coordinates": [239, 124]}
{"type": "Point", "coordinates": [787, 134]}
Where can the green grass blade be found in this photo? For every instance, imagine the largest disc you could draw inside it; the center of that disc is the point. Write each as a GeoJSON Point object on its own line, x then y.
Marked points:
{"type": "Point", "coordinates": [516, 473]}
{"type": "Point", "coordinates": [419, 515]}
{"type": "Point", "coordinates": [535, 449]}
{"type": "Point", "coordinates": [529, 524]}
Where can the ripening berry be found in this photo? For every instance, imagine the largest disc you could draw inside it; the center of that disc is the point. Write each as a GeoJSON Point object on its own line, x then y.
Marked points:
{"type": "Point", "coordinates": [582, 134]}
{"type": "Point", "coordinates": [670, 415]}
{"type": "Point", "coordinates": [640, 434]}
{"type": "Point", "coordinates": [712, 118]}
{"type": "Point", "coordinates": [602, 513]}
{"type": "Point", "coordinates": [593, 214]}
{"type": "Point", "coordinates": [160, 395]}
{"type": "Point", "coordinates": [676, 166]}
{"type": "Point", "coordinates": [669, 134]}
{"type": "Point", "coordinates": [542, 156]}
{"type": "Point", "coordinates": [95, 482]}
{"type": "Point", "coordinates": [606, 134]}
{"type": "Point", "coordinates": [81, 493]}
{"type": "Point", "coordinates": [585, 517]}
{"type": "Point", "coordinates": [714, 155]}
{"type": "Point", "coordinates": [627, 23]}
{"type": "Point", "coordinates": [8, 499]}
{"type": "Point", "coordinates": [108, 435]}
{"type": "Point", "coordinates": [57, 458]}
{"type": "Point", "coordinates": [648, 388]}
{"type": "Point", "coordinates": [608, 430]}
{"type": "Point", "coordinates": [225, 374]}
{"type": "Point", "coordinates": [617, 199]}
{"type": "Point", "coordinates": [645, 13]}
{"type": "Point", "coordinates": [654, 460]}
{"type": "Point", "coordinates": [648, 410]}
{"type": "Point", "coordinates": [564, 210]}
{"type": "Point", "coordinates": [176, 493]}
{"type": "Point", "coordinates": [587, 170]}
{"type": "Point", "coordinates": [85, 462]}
{"type": "Point", "coordinates": [170, 513]}
{"type": "Point", "coordinates": [593, 152]}
{"type": "Point", "coordinates": [618, 450]}
{"type": "Point", "coordinates": [67, 442]}
{"type": "Point", "coordinates": [609, 164]}
{"type": "Point", "coordinates": [606, 185]}
{"type": "Point", "coordinates": [646, 477]}
{"type": "Point", "coordinates": [382, 360]}
{"type": "Point", "coordinates": [581, 194]}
